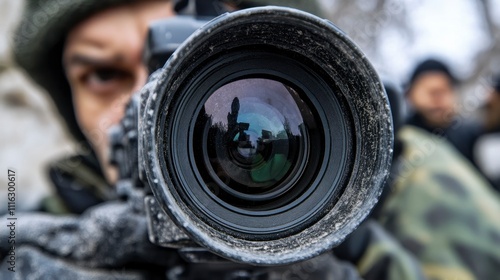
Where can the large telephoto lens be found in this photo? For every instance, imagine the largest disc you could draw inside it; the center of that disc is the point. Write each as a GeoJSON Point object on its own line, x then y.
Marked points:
{"type": "Point", "coordinates": [267, 136]}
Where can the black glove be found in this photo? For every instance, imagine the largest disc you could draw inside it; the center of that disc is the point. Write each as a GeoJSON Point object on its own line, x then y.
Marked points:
{"type": "Point", "coordinates": [109, 241]}
{"type": "Point", "coordinates": [111, 236]}
{"type": "Point", "coordinates": [32, 263]}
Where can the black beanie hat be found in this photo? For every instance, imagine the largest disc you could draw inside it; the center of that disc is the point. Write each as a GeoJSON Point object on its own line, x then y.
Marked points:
{"type": "Point", "coordinates": [310, 6]}
{"type": "Point", "coordinates": [427, 66]}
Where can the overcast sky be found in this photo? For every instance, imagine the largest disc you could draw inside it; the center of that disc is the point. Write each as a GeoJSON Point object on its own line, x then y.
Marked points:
{"type": "Point", "coordinates": [450, 29]}
{"type": "Point", "coordinates": [447, 29]}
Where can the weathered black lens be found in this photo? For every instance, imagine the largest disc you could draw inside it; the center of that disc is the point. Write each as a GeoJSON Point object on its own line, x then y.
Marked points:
{"type": "Point", "coordinates": [252, 142]}
{"type": "Point", "coordinates": [267, 136]}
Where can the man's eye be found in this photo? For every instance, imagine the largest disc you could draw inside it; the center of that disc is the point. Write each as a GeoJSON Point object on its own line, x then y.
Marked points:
{"type": "Point", "coordinates": [106, 75]}
{"type": "Point", "coordinates": [107, 80]}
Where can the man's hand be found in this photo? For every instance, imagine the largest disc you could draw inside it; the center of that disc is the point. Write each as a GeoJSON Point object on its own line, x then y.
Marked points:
{"type": "Point", "coordinates": [110, 235]}
{"type": "Point", "coordinates": [32, 263]}
{"type": "Point", "coordinates": [109, 239]}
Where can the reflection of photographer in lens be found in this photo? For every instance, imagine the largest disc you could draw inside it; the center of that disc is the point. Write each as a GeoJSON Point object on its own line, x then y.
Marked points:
{"type": "Point", "coordinates": [260, 145]}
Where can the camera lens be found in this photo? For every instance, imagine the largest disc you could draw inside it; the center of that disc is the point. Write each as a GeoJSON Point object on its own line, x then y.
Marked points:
{"type": "Point", "coordinates": [266, 136]}
{"type": "Point", "coordinates": [254, 142]}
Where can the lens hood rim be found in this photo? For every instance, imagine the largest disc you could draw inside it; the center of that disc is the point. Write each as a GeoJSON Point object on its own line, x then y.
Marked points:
{"type": "Point", "coordinates": [371, 113]}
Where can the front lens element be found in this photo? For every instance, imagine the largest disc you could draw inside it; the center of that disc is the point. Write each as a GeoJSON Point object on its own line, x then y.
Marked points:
{"type": "Point", "coordinates": [252, 140]}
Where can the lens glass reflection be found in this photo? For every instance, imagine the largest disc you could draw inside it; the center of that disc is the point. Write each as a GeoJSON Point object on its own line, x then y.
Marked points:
{"type": "Point", "coordinates": [251, 140]}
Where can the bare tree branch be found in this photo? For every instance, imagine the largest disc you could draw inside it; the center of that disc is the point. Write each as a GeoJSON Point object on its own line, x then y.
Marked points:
{"type": "Point", "coordinates": [486, 59]}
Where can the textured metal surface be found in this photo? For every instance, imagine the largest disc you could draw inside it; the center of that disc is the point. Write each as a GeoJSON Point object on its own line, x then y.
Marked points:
{"type": "Point", "coordinates": [162, 231]}
{"type": "Point", "coordinates": [358, 83]}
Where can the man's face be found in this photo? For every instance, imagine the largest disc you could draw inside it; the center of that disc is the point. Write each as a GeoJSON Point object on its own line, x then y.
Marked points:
{"type": "Point", "coordinates": [433, 96]}
{"type": "Point", "coordinates": [103, 63]}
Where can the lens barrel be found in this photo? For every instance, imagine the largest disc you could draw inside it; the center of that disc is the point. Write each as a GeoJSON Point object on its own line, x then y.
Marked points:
{"type": "Point", "coordinates": [267, 136]}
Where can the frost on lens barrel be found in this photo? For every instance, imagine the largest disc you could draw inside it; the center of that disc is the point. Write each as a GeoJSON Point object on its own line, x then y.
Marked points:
{"type": "Point", "coordinates": [265, 138]}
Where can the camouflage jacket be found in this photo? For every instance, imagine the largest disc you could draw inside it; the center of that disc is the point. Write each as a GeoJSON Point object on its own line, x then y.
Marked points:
{"type": "Point", "coordinates": [377, 255]}
{"type": "Point", "coordinates": [443, 211]}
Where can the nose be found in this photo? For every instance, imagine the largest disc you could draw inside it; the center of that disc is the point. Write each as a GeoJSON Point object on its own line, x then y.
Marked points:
{"type": "Point", "coordinates": [141, 76]}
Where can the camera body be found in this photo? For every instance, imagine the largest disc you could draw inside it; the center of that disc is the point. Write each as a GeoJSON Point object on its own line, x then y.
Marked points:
{"type": "Point", "coordinates": [265, 139]}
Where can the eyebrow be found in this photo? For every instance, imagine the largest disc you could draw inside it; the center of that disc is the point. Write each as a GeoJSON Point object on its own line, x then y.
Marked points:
{"type": "Point", "coordinates": [85, 60]}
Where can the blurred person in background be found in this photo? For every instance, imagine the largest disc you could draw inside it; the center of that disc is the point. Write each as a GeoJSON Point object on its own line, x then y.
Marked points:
{"type": "Point", "coordinates": [432, 96]}
{"type": "Point", "coordinates": [87, 55]}
{"type": "Point", "coordinates": [439, 207]}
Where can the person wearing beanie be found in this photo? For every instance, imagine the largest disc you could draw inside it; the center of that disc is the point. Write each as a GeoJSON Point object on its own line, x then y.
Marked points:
{"type": "Point", "coordinates": [432, 97]}
{"type": "Point", "coordinates": [44, 47]}
{"type": "Point", "coordinates": [438, 206]}
{"type": "Point", "coordinates": [87, 54]}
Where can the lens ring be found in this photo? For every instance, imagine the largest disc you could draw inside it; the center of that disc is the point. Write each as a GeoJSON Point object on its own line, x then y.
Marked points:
{"type": "Point", "coordinates": [315, 188]}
